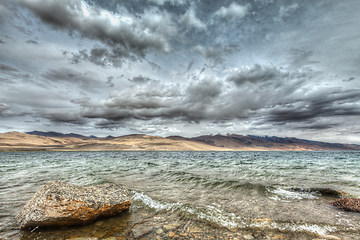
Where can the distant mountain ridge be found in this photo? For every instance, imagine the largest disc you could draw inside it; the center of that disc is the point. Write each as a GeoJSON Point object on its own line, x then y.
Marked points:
{"type": "Point", "coordinates": [57, 134]}
{"type": "Point", "coordinates": [237, 142]}
{"type": "Point", "coordinates": [230, 142]}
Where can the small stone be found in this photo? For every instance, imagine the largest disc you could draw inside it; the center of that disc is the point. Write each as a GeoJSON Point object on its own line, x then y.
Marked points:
{"type": "Point", "coordinates": [159, 231]}
{"type": "Point", "coordinates": [248, 237]}
{"type": "Point", "coordinates": [261, 220]}
{"type": "Point", "coordinates": [194, 230]}
{"type": "Point", "coordinates": [171, 234]}
{"type": "Point", "coordinates": [183, 234]}
{"type": "Point", "coordinates": [330, 237]}
{"type": "Point", "coordinates": [171, 226]}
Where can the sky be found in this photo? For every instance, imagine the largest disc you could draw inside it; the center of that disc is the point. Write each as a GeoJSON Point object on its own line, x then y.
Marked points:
{"type": "Point", "coordinates": [286, 68]}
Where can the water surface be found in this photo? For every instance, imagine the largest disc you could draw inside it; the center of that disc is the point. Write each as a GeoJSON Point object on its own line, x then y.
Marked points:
{"type": "Point", "coordinates": [232, 191]}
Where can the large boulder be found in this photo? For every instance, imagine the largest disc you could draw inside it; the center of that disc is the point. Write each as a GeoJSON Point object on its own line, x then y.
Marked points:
{"type": "Point", "coordinates": [63, 204]}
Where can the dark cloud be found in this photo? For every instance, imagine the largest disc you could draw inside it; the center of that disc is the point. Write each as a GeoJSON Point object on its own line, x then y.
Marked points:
{"type": "Point", "coordinates": [5, 13]}
{"type": "Point", "coordinates": [204, 91]}
{"type": "Point", "coordinates": [319, 126]}
{"type": "Point", "coordinates": [5, 111]}
{"type": "Point", "coordinates": [86, 80]}
{"type": "Point", "coordinates": [258, 74]}
{"type": "Point", "coordinates": [172, 2]}
{"type": "Point", "coordinates": [32, 42]}
{"type": "Point", "coordinates": [190, 66]}
{"type": "Point", "coordinates": [154, 66]}
{"type": "Point", "coordinates": [318, 104]}
{"type": "Point", "coordinates": [7, 68]}
{"type": "Point", "coordinates": [216, 53]}
{"type": "Point", "coordinates": [110, 81]}
{"type": "Point", "coordinates": [62, 116]}
{"type": "Point", "coordinates": [137, 35]}
{"type": "Point", "coordinates": [140, 79]}
{"type": "Point", "coordinates": [3, 107]}
{"type": "Point", "coordinates": [349, 79]}
{"type": "Point", "coordinates": [82, 101]}
{"type": "Point", "coordinates": [107, 124]}
{"type": "Point", "coordinates": [104, 57]}
{"type": "Point", "coordinates": [299, 58]}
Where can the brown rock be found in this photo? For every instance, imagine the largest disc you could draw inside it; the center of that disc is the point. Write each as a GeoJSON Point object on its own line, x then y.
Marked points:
{"type": "Point", "coordinates": [348, 204]}
{"type": "Point", "coordinates": [328, 192]}
{"type": "Point", "coordinates": [63, 204]}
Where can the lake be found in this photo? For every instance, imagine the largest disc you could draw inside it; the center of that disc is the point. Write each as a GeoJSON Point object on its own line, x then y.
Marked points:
{"type": "Point", "coordinates": [198, 195]}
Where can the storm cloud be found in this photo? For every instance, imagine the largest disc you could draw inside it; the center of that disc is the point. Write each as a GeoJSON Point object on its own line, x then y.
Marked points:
{"type": "Point", "coordinates": [135, 34]}
{"type": "Point", "coordinates": [286, 68]}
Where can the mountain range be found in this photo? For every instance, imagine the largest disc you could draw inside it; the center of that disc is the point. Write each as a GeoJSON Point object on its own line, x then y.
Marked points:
{"type": "Point", "coordinates": [54, 141]}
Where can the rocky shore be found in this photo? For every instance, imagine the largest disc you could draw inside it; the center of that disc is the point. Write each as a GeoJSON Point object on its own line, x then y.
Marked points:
{"type": "Point", "coordinates": [148, 226]}
{"type": "Point", "coordinates": [61, 205]}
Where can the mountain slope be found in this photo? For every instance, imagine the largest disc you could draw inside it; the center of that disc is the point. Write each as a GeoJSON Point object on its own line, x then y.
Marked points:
{"type": "Point", "coordinates": [265, 143]}
{"type": "Point", "coordinates": [15, 141]}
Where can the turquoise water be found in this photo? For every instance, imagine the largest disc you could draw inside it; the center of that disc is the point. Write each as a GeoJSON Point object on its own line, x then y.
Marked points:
{"type": "Point", "coordinates": [234, 190]}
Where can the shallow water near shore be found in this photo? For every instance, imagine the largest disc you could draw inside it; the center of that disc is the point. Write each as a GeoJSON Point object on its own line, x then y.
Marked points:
{"type": "Point", "coordinates": [199, 195]}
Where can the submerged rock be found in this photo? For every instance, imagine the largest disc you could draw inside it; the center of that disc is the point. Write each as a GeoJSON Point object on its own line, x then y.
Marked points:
{"type": "Point", "coordinates": [63, 204]}
{"type": "Point", "coordinates": [348, 204]}
{"type": "Point", "coordinates": [328, 192]}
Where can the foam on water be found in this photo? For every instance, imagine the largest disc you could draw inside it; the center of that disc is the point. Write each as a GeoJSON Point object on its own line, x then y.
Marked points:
{"type": "Point", "coordinates": [215, 215]}
{"type": "Point", "coordinates": [283, 194]}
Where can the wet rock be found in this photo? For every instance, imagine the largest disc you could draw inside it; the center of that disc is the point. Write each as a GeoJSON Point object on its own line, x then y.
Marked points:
{"type": "Point", "coordinates": [348, 204]}
{"type": "Point", "coordinates": [63, 204]}
{"type": "Point", "coordinates": [328, 192]}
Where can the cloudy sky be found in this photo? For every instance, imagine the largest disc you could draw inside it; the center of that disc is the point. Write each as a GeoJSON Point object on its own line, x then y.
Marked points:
{"type": "Point", "coordinates": [181, 67]}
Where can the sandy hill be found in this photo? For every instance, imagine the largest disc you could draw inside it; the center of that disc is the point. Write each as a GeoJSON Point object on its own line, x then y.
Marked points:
{"type": "Point", "coordinates": [266, 143]}
{"type": "Point", "coordinates": [51, 141]}
{"type": "Point", "coordinates": [14, 141]}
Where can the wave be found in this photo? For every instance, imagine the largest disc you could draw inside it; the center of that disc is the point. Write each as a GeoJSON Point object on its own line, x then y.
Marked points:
{"type": "Point", "coordinates": [215, 183]}
{"type": "Point", "coordinates": [217, 216]}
